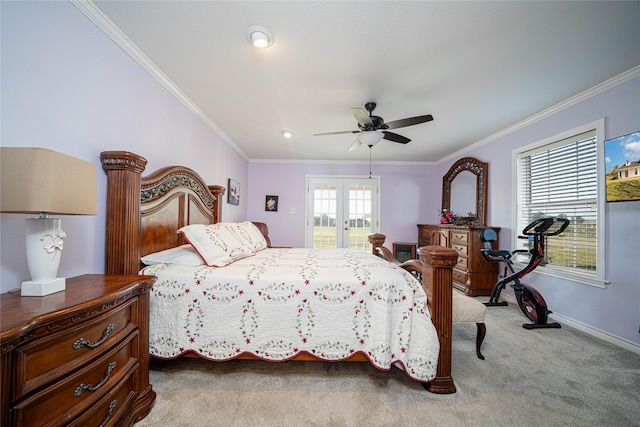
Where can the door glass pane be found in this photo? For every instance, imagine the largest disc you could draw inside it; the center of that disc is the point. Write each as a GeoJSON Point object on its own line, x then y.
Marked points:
{"type": "Point", "coordinates": [359, 218]}
{"type": "Point", "coordinates": [324, 216]}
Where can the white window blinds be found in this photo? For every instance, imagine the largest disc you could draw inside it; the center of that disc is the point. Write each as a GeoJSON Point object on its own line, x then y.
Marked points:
{"type": "Point", "coordinates": [560, 179]}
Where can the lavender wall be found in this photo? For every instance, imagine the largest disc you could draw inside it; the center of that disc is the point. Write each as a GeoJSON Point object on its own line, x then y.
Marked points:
{"type": "Point", "coordinates": [615, 309]}
{"type": "Point", "coordinates": [405, 199]}
{"type": "Point", "coordinates": [66, 86]}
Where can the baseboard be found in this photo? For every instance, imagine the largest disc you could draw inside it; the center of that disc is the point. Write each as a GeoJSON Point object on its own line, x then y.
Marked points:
{"type": "Point", "coordinates": [605, 336]}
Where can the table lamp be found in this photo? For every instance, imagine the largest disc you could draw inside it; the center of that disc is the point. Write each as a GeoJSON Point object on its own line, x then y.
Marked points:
{"type": "Point", "coordinates": [44, 182]}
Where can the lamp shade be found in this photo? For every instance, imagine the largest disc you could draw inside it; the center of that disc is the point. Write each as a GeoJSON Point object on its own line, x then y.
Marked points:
{"type": "Point", "coordinates": [37, 180]}
{"type": "Point", "coordinates": [41, 181]}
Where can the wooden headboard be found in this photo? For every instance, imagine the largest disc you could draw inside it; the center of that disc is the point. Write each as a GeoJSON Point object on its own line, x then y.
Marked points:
{"type": "Point", "coordinates": [145, 213]}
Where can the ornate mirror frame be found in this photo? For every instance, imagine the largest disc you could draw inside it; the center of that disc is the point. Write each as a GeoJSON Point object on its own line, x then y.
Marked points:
{"type": "Point", "coordinates": [480, 170]}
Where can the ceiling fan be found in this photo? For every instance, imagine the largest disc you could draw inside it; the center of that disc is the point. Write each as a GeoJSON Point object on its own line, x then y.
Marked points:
{"type": "Point", "coordinates": [371, 129]}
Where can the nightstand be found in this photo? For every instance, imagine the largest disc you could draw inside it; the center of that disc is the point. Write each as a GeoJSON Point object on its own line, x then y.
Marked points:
{"type": "Point", "coordinates": [78, 357]}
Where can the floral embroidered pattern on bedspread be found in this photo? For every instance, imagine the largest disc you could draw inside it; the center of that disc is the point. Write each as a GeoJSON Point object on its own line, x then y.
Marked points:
{"type": "Point", "coordinates": [331, 303]}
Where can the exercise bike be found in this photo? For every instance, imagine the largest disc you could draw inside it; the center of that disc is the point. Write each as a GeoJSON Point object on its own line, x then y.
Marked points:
{"type": "Point", "coordinates": [529, 299]}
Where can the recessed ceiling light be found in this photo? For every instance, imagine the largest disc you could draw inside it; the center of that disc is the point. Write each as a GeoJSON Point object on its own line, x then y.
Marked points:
{"type": "Point", "coordinates": [259, 36]}
{"type": "Point", "coordinates": [287, 134]}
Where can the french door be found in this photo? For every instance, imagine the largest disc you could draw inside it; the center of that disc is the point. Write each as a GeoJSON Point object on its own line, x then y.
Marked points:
{"type": "Point", "coordinates": [341, 211]}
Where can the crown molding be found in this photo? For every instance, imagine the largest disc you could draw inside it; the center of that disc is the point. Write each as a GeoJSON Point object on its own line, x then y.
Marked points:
{"type": "Point", "coordinates": [567, 103]}
{"type": "Point", "coordinates": [343, 162]}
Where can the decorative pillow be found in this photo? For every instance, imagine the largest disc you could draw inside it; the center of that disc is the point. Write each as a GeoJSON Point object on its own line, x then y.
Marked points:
{"type": "Point", "coordinates": [218, 244]}
{"type": "Point", "coordinates": [251, 236]}
{"type": "Point", "coordinates": [183, 255]}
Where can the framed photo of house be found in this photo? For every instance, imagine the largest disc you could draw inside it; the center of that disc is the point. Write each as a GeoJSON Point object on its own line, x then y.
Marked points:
{"type": "Point", "coordinates": [233, 192]}
{"type": "Point", "coordinates": [271, 203]}
{"type": "Point", "coordinates": [622, 167]}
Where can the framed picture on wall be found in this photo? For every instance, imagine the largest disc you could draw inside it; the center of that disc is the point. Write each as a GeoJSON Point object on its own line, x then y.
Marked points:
{"type": "Point", "coordinates": [622, 167]}
{"type": "Point", "coordinates": [271, 203]}
{"type": "Point", "coordinates": [233, 192]}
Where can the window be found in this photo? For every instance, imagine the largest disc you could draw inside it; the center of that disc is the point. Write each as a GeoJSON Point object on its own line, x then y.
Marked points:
{"type": "Point", "coordinates": [562, 176]}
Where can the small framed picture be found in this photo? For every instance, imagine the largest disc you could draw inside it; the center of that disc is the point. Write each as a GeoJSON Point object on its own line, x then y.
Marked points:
{"type": "Point", "coordinates": [271, 204]}
{"type": "Point", "coordinates": [233, 195]}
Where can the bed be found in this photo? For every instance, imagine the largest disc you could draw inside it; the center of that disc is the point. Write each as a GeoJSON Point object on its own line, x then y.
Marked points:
{"type": "Point", "coordinates": [273, 304]}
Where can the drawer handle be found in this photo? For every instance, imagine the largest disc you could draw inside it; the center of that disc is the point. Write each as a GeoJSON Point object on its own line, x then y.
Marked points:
{"type": "Point", "coordinates": [88, 387]}
{"type": "Point", "coordinates": [84, 343]}
{"type": "Point", "coordinates": [112, 406]}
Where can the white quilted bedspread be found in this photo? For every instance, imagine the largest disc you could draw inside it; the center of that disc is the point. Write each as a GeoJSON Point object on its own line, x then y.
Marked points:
{"type": "Point", "coordinates": [278, 303]}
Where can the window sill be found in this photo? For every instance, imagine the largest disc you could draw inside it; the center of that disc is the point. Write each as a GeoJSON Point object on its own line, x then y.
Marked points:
{"type": "Point", "coordinates": [572, 276]}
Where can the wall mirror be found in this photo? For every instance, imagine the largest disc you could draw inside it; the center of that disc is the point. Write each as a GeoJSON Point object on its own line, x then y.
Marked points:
{"type": "Point", "coordinates": [464, 191]}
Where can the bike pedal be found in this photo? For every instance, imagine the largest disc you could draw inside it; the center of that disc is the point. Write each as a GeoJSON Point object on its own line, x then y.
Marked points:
{"type": "Point", "coordinates": [530, 326]}
{"type": "Point", "coordinates": [496, 304]}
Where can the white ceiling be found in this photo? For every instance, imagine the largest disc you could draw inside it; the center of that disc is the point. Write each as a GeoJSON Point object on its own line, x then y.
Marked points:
{"type": "Point", "coordinates": [478, 67]}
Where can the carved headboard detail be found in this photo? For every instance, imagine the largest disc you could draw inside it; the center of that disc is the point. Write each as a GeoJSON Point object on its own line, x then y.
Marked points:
{"type": "Point", "coordinates": [145, 213]}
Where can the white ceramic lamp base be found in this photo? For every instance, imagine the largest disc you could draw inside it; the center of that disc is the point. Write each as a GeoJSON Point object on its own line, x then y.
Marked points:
{"type": "Point", "coordinates": [40, 289]}
{"type": "Point", "coordinates": [44, 240]}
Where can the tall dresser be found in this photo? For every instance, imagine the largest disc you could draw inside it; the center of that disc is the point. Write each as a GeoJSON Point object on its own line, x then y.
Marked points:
{"type": "Point", "coordinates": [473, 274]}
{"type": "Point", "coordinates": [78, 357]}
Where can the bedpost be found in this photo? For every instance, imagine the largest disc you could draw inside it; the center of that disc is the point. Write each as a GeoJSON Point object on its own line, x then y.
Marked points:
{"type": "Point", "coordinates": [218, 192]}
{"type": "Point", "coordinates": [376, 240]}
{"type": "Point", "coordinates": [124, 172]}
{"type": "Point", "coordinates": [437, 279]}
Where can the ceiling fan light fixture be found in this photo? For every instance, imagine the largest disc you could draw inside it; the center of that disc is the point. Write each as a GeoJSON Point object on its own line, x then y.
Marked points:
{"type": "Point", "coordinates": [370, 137]}
{"type": "Point", "coordinates": [259, 36]}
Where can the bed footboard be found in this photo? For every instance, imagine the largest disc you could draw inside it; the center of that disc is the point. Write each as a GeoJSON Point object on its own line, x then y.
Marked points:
{"type": "Point", "coordinates": [435, 267]}
{"type": "Point", "coordinates": [437, 281]}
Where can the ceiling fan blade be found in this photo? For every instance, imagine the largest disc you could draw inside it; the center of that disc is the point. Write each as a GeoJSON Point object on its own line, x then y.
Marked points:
{"type": "Point", "coordinates": [409, 121]}
{"type": "Point", "coordinates": [357, 143]}
{"type": "Point", "coordinates": [336, 133]}
{"type": "Point", "coordinates": [395, 137]}
{"type": "Point", "coordinates": [361, 116]}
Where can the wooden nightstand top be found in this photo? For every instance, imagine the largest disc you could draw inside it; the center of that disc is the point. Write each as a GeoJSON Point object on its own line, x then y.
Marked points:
{"type": "Point", "coordinates": [19, 315]}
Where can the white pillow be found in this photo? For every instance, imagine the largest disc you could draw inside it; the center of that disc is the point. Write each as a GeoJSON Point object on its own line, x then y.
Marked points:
{"type": "Point", "coordinates": [251, 236]}
{"type": "Point", "coordinates": [218, 244]}
{"type": "Point", "coordinates": [183, 255]}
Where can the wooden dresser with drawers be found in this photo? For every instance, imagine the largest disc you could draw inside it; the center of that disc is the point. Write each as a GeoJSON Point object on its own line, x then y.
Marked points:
{"type": "Point", "coordinates": [77, 357]}
{"type": "Point", "coordinates": [473, 274]}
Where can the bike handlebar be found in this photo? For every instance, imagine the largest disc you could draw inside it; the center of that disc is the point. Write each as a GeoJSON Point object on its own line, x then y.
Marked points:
{"type": "Point", "coordinates": [541, 226]}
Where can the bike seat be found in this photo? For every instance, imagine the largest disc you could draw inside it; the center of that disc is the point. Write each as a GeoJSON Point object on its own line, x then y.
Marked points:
{"type": "Point", "coordinates": [499, 253]}
{"type": "Point", "coordinates": [488, 236]}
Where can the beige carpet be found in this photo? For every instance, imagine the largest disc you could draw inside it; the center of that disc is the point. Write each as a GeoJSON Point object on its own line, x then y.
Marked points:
{"type": "Point", "coordinates": [555, 377]}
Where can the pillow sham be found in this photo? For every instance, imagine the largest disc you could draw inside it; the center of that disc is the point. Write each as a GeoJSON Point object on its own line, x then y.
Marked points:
{"type": "Point", "coordinates": [218, 244]}
{"type": "Point", "coordinates": [182, 255]}
{"type": "Point", "coordinates": [251, 236]}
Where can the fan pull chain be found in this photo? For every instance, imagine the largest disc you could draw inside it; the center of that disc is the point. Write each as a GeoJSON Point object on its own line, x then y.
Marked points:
{"type": "Point", "coordinates": [370, 161]}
